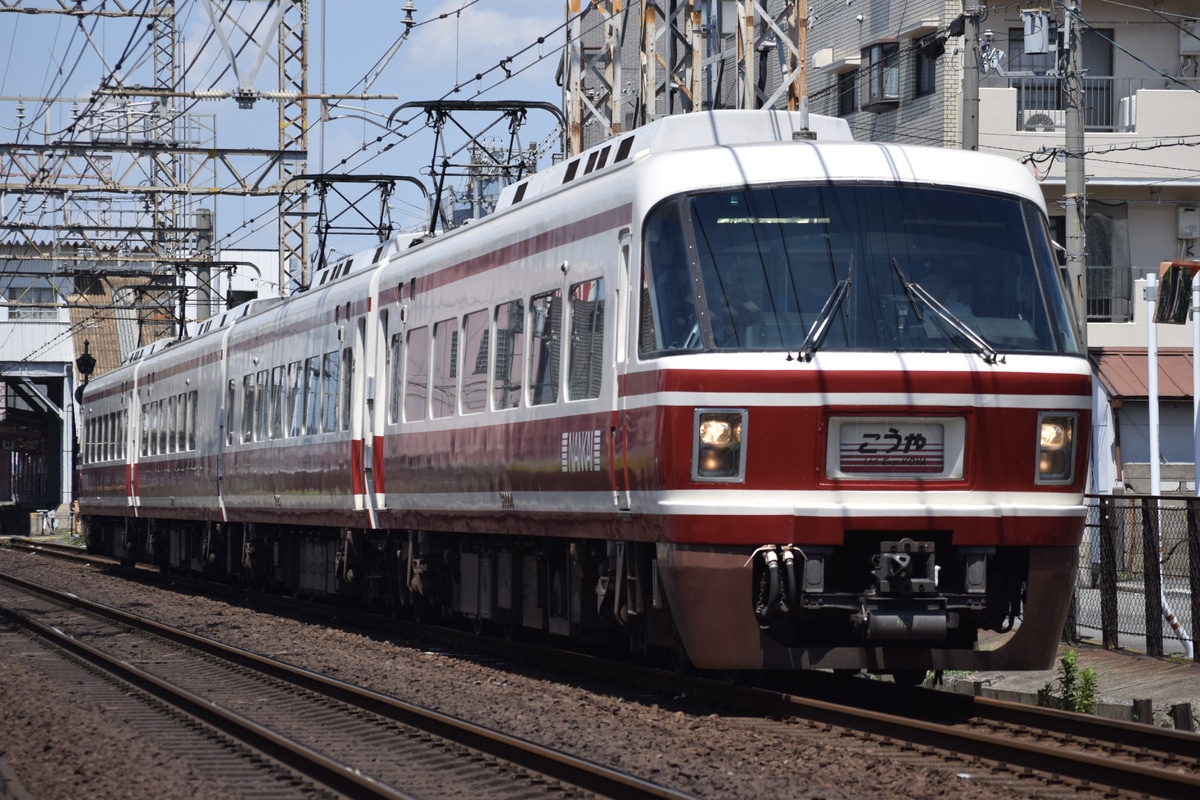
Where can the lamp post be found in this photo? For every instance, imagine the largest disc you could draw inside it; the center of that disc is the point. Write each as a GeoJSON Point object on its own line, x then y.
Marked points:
{"type": "Point", "coordinates": [86, 364]}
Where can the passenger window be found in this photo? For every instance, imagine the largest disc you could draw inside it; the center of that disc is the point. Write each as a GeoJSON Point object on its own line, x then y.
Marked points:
{"type": "Point", "coordinates": [230, 411]}
{"type": "Point", "coordinates": [295, 399]}
{"type": "Point", "coordinates": [475, 364]}
{"type": "Point", "coordinates": [545, 324]}
{"type": "Point", "coordinates": [193, 403]}
{"type": "Point", "coordinates": [394, 373]}
{"type": "Point", "coordinates": [445, 363]}
{"type": "Point", "coordinates": [170, 426]}
{"type": "Point", "coordinates": [161, 421]}
{"type": "Point", "coordinates": [312, 392]}
{"type": "Point", "coordinates": [329, 391]}
{"type": "Point", "coordinates": [262, 405]}
{"type": "Point", "coordinates": [346, 386]}
{"type": "Point", "coordinates": [416, 374]}
{"type": "Point", "coordinates": [510, 354]}
{"type": "Point", "coordinates": [277, 395]}
{"type": "Point", "coordinates": [586, 355]}
{"type": "Point", "coordinates": [248, 406]}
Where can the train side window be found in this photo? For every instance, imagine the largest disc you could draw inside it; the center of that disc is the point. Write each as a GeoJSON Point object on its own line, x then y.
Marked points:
{"type": "Point", "coordinates": [416, 374]}
{"type": "Point", "coordinates": [230, 410]}
{"type": "Point", "coordinates": [345, 387]}
{"type": "Point", "coordinates": [278, 391]}
{"type": "Point", "coordinates": [510, 354]}
{"type": "Point", "coordinates": [262, 404]}
{"type": "Point", "coordinates": [475, 363]}
{"type": "Point", "coordinates": [160, 419]}
{"type": "Point", "coordinates": [248, 397]}
{"type": "Point", "coordinates": [585, 359]}
{"type": "Point", "coordinates": [181, 422]}
{"type": "Point", "coordinates": [394, 373]}
{"type": "Point", "coordinates": [312, 395]}
{"type": "Point", "coordinates": [545, 327]}
{"type": "Point", "coordinates": [144, 437]}
{"type": "Point", "coordinates": [330, 369]}
{"type": "Point", "coordinates": [295, 399]}
{"type": "Point", "coordinates": [193, 402]}
{"type": "Point", "coordinates": [172, 423]}
{"type": "Point", "coordinates": [122, 451]}
{"type": "Point", "coordinates": [153, 435]}
{"type": "Point", "coordinates": [445, 362]}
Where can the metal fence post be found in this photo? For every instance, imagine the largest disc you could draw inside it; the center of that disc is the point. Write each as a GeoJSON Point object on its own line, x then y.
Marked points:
{"type": "Point", "coordinates": [1193, 522]}
{"type": "Point", "coordinates": [1109, 530]}
{"type": "Point", "coordinates": [1152, 569]}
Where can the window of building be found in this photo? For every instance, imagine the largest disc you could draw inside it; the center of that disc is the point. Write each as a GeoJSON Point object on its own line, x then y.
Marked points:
{"type": "Point", "coordinates": [925, 71]}
{"type": "Point", "coordinates": [883, 76]}
{"type": "Point", "coordinates": [847, 102]}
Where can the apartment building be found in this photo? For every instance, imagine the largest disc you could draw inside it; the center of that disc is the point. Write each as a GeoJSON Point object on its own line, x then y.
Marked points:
{"type": "Point", "coordinates": [900, 72]}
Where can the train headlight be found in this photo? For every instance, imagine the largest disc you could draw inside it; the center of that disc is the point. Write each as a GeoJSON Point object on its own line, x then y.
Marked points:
{"type": "Point", "coordinates": [1056, 448]}
{"type": "Point", "coordinates": [717, 451]}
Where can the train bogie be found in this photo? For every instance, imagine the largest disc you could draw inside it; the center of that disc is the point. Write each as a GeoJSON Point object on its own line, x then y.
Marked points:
{"type": "Point", "coordinates": [711, 388]}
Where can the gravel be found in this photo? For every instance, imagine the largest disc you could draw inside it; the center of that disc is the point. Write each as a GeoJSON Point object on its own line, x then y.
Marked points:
{"type": "Point", "coordinates": [60, 745]}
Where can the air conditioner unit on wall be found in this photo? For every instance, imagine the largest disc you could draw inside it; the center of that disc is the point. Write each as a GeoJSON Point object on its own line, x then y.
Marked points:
{"type": "Point", "coordinates": [1189, 43]}
{"type": "Point", "coordinates": [1043, 119]}
{"type": "Point", "coordinates": [1127, 113]}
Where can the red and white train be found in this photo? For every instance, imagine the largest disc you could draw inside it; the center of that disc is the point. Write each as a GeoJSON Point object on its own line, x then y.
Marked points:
{"type": "Point", "coordinates": [770, 399]}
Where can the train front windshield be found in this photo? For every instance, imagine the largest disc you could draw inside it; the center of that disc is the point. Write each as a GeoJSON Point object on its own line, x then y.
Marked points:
{"type": "Point", "coordinates": [882, 267]}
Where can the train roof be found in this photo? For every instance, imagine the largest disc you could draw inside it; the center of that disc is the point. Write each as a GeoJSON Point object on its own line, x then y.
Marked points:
{"type": "Point", "coordinates": [723, 128]}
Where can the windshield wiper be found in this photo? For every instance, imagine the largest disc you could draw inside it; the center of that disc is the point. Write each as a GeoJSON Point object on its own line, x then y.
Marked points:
{"type": "Point", "coordinates": [914, 291]}
{"type": "Point", "coordinates": [820, 327]}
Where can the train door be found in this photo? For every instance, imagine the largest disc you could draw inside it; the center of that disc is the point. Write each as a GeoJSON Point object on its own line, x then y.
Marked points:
{"type": "Point", "coordinates": [226, 417]}
{"type": "Point", "coordinates": [619, 440]}
{"type": "Point", "coordinates": [364, 424]}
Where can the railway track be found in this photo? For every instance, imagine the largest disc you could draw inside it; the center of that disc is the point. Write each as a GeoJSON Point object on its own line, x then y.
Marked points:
{"type": "Point", "coordinates": [1081, 753]}
{"type": "Point", "coordinates": [339, 739]}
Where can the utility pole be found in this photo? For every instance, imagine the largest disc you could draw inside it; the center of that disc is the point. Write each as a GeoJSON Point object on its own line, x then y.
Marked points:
{"type": "Point", "coordinates": [970, 80]}
{"type": "Point", "coordinates": [1075, 197]}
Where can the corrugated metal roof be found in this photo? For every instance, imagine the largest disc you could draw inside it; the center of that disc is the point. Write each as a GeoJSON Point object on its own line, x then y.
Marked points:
{"type": "Point", "coordinates": [41, 341]}
{"type": "Point", "coordinates": [1124, 372]}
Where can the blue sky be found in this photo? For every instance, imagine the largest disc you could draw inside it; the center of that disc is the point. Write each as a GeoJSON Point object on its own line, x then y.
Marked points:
{"type": "Point", "coordinates": [59, 56]}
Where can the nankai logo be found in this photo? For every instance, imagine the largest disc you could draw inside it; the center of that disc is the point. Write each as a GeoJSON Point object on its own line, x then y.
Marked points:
{"type": "Point", "coordinates": [581, 451]}
{"type": "Point", "coordinates": [892, 442]}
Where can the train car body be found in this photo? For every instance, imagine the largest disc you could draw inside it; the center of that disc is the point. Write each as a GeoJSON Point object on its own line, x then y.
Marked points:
{"type": "Point", "coordinates": [767, 399]}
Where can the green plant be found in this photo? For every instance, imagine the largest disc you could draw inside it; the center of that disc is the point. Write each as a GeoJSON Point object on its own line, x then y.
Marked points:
{"type": "Point", "coordinates": [1076, 689]}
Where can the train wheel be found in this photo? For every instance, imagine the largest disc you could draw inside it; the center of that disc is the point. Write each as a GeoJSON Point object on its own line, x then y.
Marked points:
{"type": "Point", "coordinates": [909, 677]}
{"type": "Point", "coordinates": [738, 677]}
{"type": "Point", "coordinates": [508, 631]}
{"type": "Point", "coordinates": [478, 625]}
{"type": "Point", "coordinates": [680, 663]}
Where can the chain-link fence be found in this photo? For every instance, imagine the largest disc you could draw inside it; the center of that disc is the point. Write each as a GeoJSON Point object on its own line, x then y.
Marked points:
{"type": "Point", "coordinates": [1138, 584]}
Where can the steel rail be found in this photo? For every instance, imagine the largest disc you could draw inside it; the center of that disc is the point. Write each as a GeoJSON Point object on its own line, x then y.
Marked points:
{"type": "Point", "coordinates": [579, 772]}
